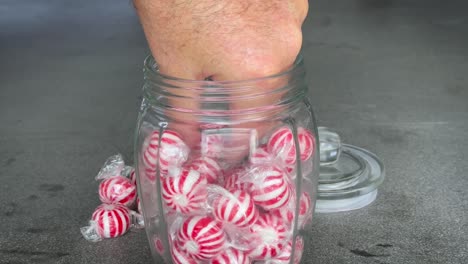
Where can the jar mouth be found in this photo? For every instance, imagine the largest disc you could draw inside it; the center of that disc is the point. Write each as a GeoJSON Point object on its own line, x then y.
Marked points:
{"type": "Point", "coordinates": [264, 94]}
{"type": "Point", "coordinates": [151, 67]}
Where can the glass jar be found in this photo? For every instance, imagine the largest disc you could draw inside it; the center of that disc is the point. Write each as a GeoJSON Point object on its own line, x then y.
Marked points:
{"type": "Point", "coordinates": [226, 170]}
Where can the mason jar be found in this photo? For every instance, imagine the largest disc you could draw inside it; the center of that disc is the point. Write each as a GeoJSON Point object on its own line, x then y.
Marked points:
{"type": "Point", "coordinates": [227, 171]}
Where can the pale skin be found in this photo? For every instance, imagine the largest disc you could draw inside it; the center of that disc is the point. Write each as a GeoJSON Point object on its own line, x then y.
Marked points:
{"type": "Point", "coordinates": [223, 40]}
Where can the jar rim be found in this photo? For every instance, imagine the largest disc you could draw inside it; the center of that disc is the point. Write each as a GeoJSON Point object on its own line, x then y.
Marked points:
{"type": "Point", "coordinates": [151, 65]}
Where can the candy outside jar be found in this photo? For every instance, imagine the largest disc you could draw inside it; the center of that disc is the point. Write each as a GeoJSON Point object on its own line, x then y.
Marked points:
{"type": "Point", "coordinates": [227, 172]}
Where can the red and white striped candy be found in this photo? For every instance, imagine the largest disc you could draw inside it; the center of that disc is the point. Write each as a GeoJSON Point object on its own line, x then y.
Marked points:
{"type": "Point", "coordinates": [305, 209]}
{"type": "Point", "coordinates": [132, 176]}
{"type": "Point", "coordinates": [270, 234]}
{"type": "Point", "coordinates": [236, 208]}
{"type": "Point", "coordinates": [201, 237]}
{"type": "Point", "coordinates": [270, 189]}
{"type": "Point", "coordinates": [290, 170]}
{"type": "Point", "coordinates": [179, 257]}
{"type": "Point", "coordinates": [138, 202]}
{"type": "Point", "coordinates": [186, 192]}
{"type": "Point", "coordinates": [230, 181]}
{"type": "Point", "coordinates": [229, 147]}
{"type": "Point", "coordinates": [231, 256]}
{"type": "Point", "coordinates": [117, 190]}
{"type": "Point", "coordinates": [281, 143]}
{"type": "Point", "coordinates": [285, 256]}
{"type": "Point", "coordinates": [287, 213]}
{"type": "Point", "coordinates": [208, 168]}
{"type": "Point", "coordinates": [112, 220]}
{"type": "Point", "coordinates": [150, 173]}
{"type": "Point", "coordinates": [261, 156]}
{"type": "Point", "coordinates": [306, 143]}
{"type": "Point", "coordinates": [212, 145]}
{"type": "Point", "coordinates": [237, 179]}
{"type": "Point", "coordinates": [173, 150]}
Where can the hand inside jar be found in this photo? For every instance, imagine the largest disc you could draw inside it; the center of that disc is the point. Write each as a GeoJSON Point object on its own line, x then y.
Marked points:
{"type": "Point", "coordinates": [222, 40]}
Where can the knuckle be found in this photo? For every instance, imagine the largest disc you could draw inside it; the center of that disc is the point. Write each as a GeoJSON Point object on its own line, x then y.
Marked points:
{"type": "Point", "coordinates": [293, 43]}
{"type": "Point", "coordinates": [302, 8]}
{"type": "Point", "coordinates": [265, 67]}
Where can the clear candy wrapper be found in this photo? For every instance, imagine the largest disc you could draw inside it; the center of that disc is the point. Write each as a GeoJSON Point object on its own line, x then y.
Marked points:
{"type": "Point", "coordinates": [241, 194]}
{"type": "Point", "coordinates": [165, 151]}
{"type": "Point", "coordinates": [111, 221]}
{"type": "Point", "coordinates": [118, 190]}
{"type": "Point", "coordinates": [118, 193]}
{"type": "Point", "coordinates": [201, 238]}
{"type": "Point", "coordinates": [305, 211]}
{"type": "Point", "coordinates": [237, 178]}
{"type": "Point", "coordinates": [129, 172]}
{"type": "Point", "coordinates": [285, 256]}
{"type": "Point", "coordinates": [270, 235]}
{"type": "Point", "coordinates": [271, 188]}
{"type": "Point", "coordinates": [208, 168]}
{"type": "Point", "coordinates": [117, 184]}
{"type": "Point", "coordinates": [227, 145]}
{"type": "Point", "coordinates": [112, 167]}
{"type": "Point", "coordinates": [235, 208]}
{"type": "Point", "coordinates": [281, 144]}
{"type": "Point", "coordinates": [185, 191]}
{"type": "Point", "coordinates": [231, 256]}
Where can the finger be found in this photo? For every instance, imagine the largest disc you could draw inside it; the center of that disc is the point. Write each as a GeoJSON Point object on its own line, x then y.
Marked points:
{"type": "Point", "coordinates": [300, 8]}
{"type": "Point", "coordinates": [259, 99]}
{"type": "Point", "coordinates": [177, 98]}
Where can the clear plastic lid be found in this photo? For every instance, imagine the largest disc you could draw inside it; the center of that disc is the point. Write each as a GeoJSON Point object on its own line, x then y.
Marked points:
{"type": "Point", "coordinates": [349, 175]}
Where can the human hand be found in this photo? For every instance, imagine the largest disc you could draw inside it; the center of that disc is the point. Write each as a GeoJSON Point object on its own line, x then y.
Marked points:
{"type": "Point", "coordinates": [222, 40]}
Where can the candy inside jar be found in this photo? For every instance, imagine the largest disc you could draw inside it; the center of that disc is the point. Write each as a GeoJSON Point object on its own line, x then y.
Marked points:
{"type": "Point", "coordinates": [232, 179]}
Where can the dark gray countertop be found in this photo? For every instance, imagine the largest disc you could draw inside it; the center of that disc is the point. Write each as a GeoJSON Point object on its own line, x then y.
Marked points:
{"type": "Point", "coordinates": [390, 76]}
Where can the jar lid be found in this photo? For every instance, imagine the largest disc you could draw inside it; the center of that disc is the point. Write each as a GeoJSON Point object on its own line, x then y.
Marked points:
{"type": "Point", "coordinates": [349, 175]}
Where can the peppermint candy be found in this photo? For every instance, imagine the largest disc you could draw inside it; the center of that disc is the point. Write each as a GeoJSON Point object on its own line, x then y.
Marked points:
{"type": "Point", "coordinates": [150, 174]}
{"type": "Point", "coordinates": [117, 190]}
{"type": "Point", "coordinates": [261, 156]}
{"type": "Point", "coordinates": [173, 150]}
{"type": "Point", "coordinates": [179, 257]}
{"type": "Point", "coordinates": [270, 236]}
{"type": "Point", "coordinates": [208, 168]}
{"type": "Point", "coordinates": [231, 256]}
{"type": "Point", "coordinates": [237, 179]}
{"type": "Point", "coordinates": [201, 237]}
{"type": "Point", "coordinates": [287, 213]}
{"type": "Point", "coordinates": [270, 189]}
{"type": "Point", "coordinates": [285, 256]}
{"type": "Point", "coordinates": [132, 177]}
{"type": "Point", "coordinates": [186, 192]}
{"type": "Point", "coordinates": [236, 208]}
{"type": "Point", "coordinates": [306, 143]}
{"type": "Point", "coordinates": [112, 220]}
{"type": "Point", "coordinates": [212, 145]}
{"type": "Point", "coordinates": [281, 144]}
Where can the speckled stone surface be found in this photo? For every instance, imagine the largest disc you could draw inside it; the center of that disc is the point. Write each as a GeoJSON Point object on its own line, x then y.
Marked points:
{"type": "Point", "coordinates": [389, 75]}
